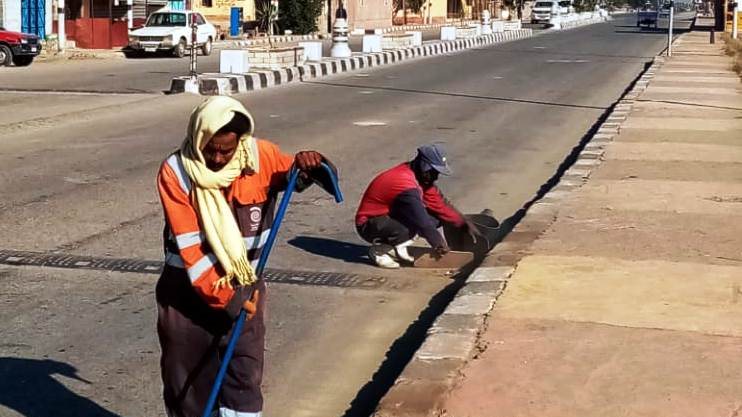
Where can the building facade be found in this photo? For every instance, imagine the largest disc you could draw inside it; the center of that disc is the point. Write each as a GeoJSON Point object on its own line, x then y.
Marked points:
{"type": "Point", "coordinates": [104, 24]}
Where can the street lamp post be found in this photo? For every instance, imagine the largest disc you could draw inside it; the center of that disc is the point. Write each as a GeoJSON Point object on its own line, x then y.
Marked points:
{"type": "Point", "coordinates": [61, 36]}
{"type": "Point", "coordinates": [669, 29]}
{"type": "Point", "coordinates": [735, 20]}
{"type": "Point", "coordinates": [194, 54]}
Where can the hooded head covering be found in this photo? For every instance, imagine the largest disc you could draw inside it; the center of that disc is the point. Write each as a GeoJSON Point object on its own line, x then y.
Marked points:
{"type": "Point", "coordinates": [216, 218]}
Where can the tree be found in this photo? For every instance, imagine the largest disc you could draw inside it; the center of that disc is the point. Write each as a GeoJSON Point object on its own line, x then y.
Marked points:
{"type": "Point", "coordinates": [299, 16]}
{"type": "Point", "coordinates": [412, 5]}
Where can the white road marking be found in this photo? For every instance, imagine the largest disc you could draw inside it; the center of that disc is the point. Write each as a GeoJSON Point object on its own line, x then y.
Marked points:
{"type": "Point", "coordinates": [539, 47]}
{"type": "Point", "coordinates": [365, 92]}
{"type": "Point", "coordinates": [369, 123]}
{"type": "Point", "coordinates": [361, 75]}
{"type": "Point", "coordinates": [497, 78]}
{"type": "Point", "coordinates": [273, 116]}
{"type": "Point", "coordinates": [566, 61]}
{"type": "Point", "coordinates": [80, 181]}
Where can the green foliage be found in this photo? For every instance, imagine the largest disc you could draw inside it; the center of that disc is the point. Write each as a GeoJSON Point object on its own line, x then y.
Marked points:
{"type": "Point", "coordinates": [266, 16]}
{"type": "Point", "coordinates": [299, 16]}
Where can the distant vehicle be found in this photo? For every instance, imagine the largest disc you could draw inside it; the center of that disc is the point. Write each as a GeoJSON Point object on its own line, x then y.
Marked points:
{"type": "Point", "coordinates": [543, 10]}
{"type": "Point", "coordinates": [647, 17]}
{"type": "Point", "coordinates": [167, 30]}
{"type": "Point", "coordinates": [18, 48]}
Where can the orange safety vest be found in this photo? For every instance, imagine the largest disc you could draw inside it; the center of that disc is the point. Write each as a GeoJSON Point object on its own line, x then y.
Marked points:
{"type": "Point", "coordinates": [252, 198]}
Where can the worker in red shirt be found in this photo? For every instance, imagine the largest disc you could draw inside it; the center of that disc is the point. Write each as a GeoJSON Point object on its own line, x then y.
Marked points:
{"type": "Point", "coordinates": [403, 202]}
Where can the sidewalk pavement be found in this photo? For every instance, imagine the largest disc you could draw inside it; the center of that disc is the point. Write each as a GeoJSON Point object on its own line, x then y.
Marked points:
{"type": "Point", "coordinates": [80, 54]}
{"type": "Point", "coordinates": [630, 303]}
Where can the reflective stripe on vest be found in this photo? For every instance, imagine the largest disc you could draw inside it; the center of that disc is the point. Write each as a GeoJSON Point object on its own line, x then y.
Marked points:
{"type": "Point", "coordinates": [174, 260]}
{"type": "Point", "coordinates": [186, 240]}
{"type": "Point", "coordinates": [177, 166]}
{"type": "Point", "coordinates": [257, 242]}
{"type": "Point", "coordinates": [228, 412]}
{"type": "Point", "coordinates": [201, 266]}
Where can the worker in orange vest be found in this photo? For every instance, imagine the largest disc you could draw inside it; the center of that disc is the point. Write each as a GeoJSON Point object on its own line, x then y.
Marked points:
{"type": "Point", "coordinates": [218, 192]}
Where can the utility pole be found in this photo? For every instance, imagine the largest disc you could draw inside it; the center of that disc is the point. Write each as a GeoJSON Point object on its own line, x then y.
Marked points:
{"type": "Point", "coordinates": [194, 38]}
{"type": "Point", "coordinates": [735, 20]}
{"type": "Point", "coordinates": [130, 14]}
{"type": "Point", "coordinates": [669, 29]}
{"type": "Point", "coordinates": [61, 36]}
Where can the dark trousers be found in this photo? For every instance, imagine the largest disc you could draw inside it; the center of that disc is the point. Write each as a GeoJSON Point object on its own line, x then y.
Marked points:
{"type": "Point", "coordinates": [193, 337]}
{"type": "Point", "coordinates": [384, 229]}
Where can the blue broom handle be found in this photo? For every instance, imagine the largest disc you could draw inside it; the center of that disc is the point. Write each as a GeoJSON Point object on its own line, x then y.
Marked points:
{"type": "Point", "coordinates": [262, 261]}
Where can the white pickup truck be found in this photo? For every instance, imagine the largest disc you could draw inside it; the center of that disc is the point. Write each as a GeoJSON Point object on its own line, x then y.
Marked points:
{"type": "Point", "coordinates": [167, 30]}
{"type": "Point", "coordinates": [543, 10]}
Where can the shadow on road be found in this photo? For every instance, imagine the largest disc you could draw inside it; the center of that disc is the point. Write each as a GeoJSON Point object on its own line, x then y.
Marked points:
{"type": "Point", "coordinates": [645, 31]}
{"type": "Point", "coordinates": [28, 387]}
{"type": "Point", "coordinates": [330, 248]}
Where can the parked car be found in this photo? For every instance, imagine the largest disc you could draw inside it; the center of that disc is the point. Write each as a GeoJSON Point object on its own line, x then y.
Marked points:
{"type": "Point", "coordinates": [18, 48]}
{"type": "Point", "coordinates": [167, 30]}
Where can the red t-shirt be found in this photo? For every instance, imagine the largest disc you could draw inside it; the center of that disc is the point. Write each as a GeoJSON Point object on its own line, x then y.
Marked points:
{"type": "Point", "coordinates": [396, 192]}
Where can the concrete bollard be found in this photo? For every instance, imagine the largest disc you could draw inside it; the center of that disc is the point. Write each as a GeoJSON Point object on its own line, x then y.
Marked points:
{"type": "Point", "coordinates": [448, 33]}
{"type": "Point", "coordinates": [371, 43]}
{"type": "Point", "coordinates": [340, 48]}
{"type": "Point", "coordinates": [312, 50]}
{"type": "Point", "coordinates": [486, 23]}
{"type": "Point", "coordinates": [233, 61]}
{"type": "Point", "coordinates": [478, 28]}
{"type": "Point", "coordinates": [417, 37]}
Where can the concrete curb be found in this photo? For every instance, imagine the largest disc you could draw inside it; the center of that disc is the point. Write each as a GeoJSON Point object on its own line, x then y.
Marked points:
{"type": "Point", "coordinates": [574, 24]}
{"type": "Point", "coordinates": [264, 41]}
{"type": "Point", "coordinates": [453, 340]}
{"type": "Point", "coordinates": [421, 27]}
{"type": "Point", "coordinates": [227, 84]}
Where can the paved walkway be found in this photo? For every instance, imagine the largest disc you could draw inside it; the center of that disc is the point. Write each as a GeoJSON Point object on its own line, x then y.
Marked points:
{"type": "Point", "coordinates": [631, 303]}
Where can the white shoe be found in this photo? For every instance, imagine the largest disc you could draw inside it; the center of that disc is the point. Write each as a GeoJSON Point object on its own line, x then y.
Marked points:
{"type": "Point", "coordinates": [401, 251]}
{"type": "Point", "coordinates": [381, 255]}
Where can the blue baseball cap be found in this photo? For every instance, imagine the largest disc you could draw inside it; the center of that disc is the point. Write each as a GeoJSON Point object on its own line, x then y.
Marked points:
{"type": "Point", "coordinates": [434, 157]}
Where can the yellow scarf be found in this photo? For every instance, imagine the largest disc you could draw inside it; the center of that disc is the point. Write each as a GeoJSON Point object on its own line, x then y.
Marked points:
{"type": "Point", "coordinates": [217, 220]}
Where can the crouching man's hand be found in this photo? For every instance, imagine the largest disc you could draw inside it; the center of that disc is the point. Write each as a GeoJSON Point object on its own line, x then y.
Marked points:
{"type": "Point", "coordinates": [439, 251]}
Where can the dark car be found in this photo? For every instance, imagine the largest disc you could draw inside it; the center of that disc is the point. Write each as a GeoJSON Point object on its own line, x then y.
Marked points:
{"type": "Point", "coordinates": [18, 48]}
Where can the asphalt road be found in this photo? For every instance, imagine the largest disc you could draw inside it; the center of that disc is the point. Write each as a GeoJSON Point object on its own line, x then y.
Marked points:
{"type": "Point", "coordinates": [78, 178]}
{"type": "Point", "coordinates": [114, 73]}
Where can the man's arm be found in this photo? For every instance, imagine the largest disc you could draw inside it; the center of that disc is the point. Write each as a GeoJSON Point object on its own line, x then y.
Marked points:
{"type": "Point", "coordinates": [308, 162]}
{"type": "Point", "coordinates": [441, 208]}
{"type": "Point", "coordinates": [409, 209]}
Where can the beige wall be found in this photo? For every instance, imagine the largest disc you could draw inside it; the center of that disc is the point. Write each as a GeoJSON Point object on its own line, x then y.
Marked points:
{"type": "Point", "coordinates": [369, 14]}
{"type": "Point", "coordinates": [438, 11]}
{"type": "Point", "coordinates": [218, 14]}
